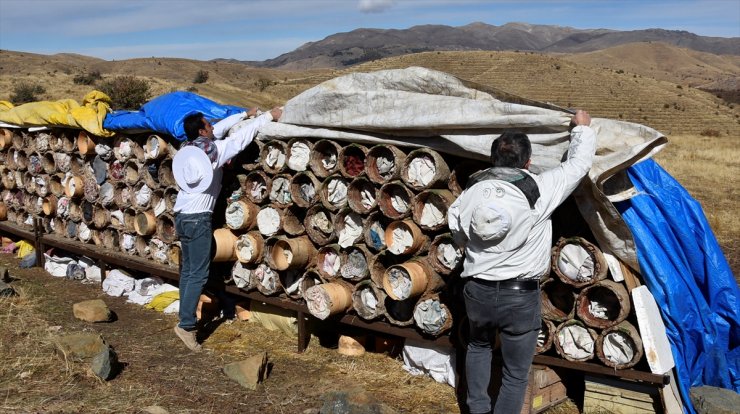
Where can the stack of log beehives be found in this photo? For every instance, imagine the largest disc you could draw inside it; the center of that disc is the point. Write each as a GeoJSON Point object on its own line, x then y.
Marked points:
{"type": "Point", "coordinates": [344, 227]}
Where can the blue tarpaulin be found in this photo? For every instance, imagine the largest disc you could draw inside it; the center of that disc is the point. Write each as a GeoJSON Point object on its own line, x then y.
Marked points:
{"type": "Point", "coordinates": [164, 114]}
{"type": "Point", "coordinates": [684, 268]}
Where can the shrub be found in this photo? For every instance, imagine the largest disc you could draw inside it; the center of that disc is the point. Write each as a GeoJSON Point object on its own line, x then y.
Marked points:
{"type": "Point", "coordinates": [126, 92]}
{"type": "Point", "coordinates": [26, 92]}
{"type": "Point", "coordinates": [201, 76]}
{"type": "Point", "coordinates": [87, 78]}
{"type": "Point", "coordinates": [710, 133]}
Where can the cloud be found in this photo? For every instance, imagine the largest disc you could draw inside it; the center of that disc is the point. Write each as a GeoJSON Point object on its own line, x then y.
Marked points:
{"type": "Point", "coordinates": [374, 6]}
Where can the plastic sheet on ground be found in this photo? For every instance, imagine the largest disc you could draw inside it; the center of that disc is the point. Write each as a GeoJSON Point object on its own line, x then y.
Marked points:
{"type": "Point", "coordinates": [145, 290]}
{"type": "Point", "coordinates": [439, 363]}
{"type": "Point", "coordinates": [57, 265]}
{"type": "Point", "coordinates": [118, 283]}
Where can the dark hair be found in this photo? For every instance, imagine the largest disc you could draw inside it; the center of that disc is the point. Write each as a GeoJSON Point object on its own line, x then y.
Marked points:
{"type": "Point", "coordinates": [511, 149]}
{"type": "Point", "coordinates": [193, 124]}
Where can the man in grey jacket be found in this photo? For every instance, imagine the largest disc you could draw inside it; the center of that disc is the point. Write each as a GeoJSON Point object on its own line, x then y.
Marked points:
{"type": "Point", "coordinates": [502, 220]}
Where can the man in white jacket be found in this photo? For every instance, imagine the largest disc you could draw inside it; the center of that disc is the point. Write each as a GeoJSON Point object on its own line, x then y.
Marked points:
{"type": "Point", "coordinates": [502, 220]}
{"type": "Point", "coordinates": [198, 171]}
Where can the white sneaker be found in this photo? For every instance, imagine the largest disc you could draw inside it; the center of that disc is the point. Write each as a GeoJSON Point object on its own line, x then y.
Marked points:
{"type": "Point", "coordinates": [188, 338]}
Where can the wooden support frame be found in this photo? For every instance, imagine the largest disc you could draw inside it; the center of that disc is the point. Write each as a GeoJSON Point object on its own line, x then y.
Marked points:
{"type": "Point", "coordinates": [104, 259]}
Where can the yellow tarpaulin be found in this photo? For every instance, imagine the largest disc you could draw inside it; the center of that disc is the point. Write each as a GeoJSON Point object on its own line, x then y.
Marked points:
{"type": "Point", "coordinates": [63, 113]}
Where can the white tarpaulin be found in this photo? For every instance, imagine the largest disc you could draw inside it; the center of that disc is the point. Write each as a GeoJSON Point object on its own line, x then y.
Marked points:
{"type": "Point", "coordinates": [418, 107]}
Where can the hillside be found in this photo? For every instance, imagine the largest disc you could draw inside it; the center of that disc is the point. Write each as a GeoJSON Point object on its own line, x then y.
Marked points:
{"type": "Point", "coordinates": [672, 108]}
{"type": "Point", "coordinates": [342, 50]}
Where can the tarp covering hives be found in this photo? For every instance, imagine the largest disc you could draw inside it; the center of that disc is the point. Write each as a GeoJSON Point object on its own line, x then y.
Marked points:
{"type": "Point", "coordinates": [419, 107]}
{"type": "Point", "coordinates": [165, 114]}
{"type": "Point", "coordinates": [66, 113]}
{"type": "Point", "coordinates": [684, 268]}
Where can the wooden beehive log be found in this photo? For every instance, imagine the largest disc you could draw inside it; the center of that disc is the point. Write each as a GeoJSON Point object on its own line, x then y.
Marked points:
{"type": "Point", "coordinates": [110, 239]}
{"type": "Point", "coordinates": [145, 223]}
{"type": "Point", "coordinates": [11, 214]}
{"type": "Point", "coordinates": [29, 183]}
{"type": "Point", "coordinates": [155, 148]}
{"type": "Point", "coordinates": [319, 224]}
{"type": "Point", "coordinates": [404, 237]}
{"type": "Point", "coordinates": [158, 204]}
{"type": "Point", "coordinates": [78, 166]}
{"type": "Point", "coordinates": [333, 192]}
{"type": "Point", "coordinates": [400, 312]}
{"type": "Point", "coordinates": [425, 168]}
{"type": "Point", "coordinates": [429, 208]}
{"type": "Point", "coordinates": [355, 263]}
{"type": "Point", "coordinates": [461, 173]}
{"type": "Point", "coordinates": [250, 247]}
{"type": "Point", "coordinates": [368, 300]}
{"type": "Point", "coordinates": [97, 237]}
{"type": "Point", "coordinates": [431, 315]}
{"type": "Point", "coordinates": [6, 138]}
{"type": "Point", "coordinates": [328, 298]}
{"type": "Point", "coordinates": [249, 159]}
{"type": "Point", "coordinates": [311, 277]}
{"type": "Point", "coordinates": [55, 185]}
{"type": "Point", "coordinates": [56, 140]}
{"type": "Point", "coordinates": [304, 189]}
{"type": "Point", "coordinates": [290, 283]}
{"type": "Point", "coordinates": [362, 196]}
{"type": "Point", "coordinates": [84, 232]}
{"type": "Point", "coordinates": [8, 178]}
{"type": "Point", "coordinates": [85, 144]}
{"type": "Point", "coordinates": [49, 205]}
{"type": "Point", "coordinates": [48, 163]}
{"type": "Point", "coordinates": [292, 221]}
{"type": "Point", "coordinates": [325, 158]}
{"type": "Point", "coordinates": [603, 304]}
{"type": "Point", "coordinates": [166, 228]}
{"type": "Point", "coordinates": [42, 142]}
{"type": "Point", "coordinates": [116, 172]}
{"type": "Point", "coordinates": [558, 300]}
{"type": "Point", "coordinates": [269, 220]}
{"type": "Point", "coordinates": [298, 154]}
{"type": "Point", "coordinates": [329, 261]}
{"type": "Point", "coordinates": [268, 280]}
{"type": "Point", "coordinates": [129, 220]}
{"type": "Point", "coordinates": [170, 198]}
{"type": "Point", "coordinates": [165, 177]}
{"type": "Point", "coordinates": [42, 185]}
{"type": "Point", "coordinates": [3, 211]}
{"type": "Point", "coordinates": [60, 227]}
{"type": "Point", "coordinates": [352, 160]}
{"type": "Point", "coordinates": [444, 256]}
{"type": "Point", "coordinates": [257, 187]}
{"type": "Point", "coordinates": [75, 211]}
{"type": "Point", "coordinates": [35, 165]}
{"type": "Point", "coordinates": [384, 163]}
{"type": "Point", "coordinates": [280, 190]}
{"type": "Point", "coordinates": [21, 160]}
{"type": "Point", "coordinates": [10, 158]}
{"type": "Point", "coordinates": [410, 279]}
{"type": "Point", "coordinates": [131, 172]}
{"type": "Point", "coordinates": [141, 196]}
{"type": "Point", "coordinates": [141, 245]}
{"type": "Point", "coordinates": [149, 172]}
{"type": "Point", "coordinates": [158, 250]}
{"type": "Point", "coordinates": [619, 346]}
{"type": "Point", "coordinates": [62, 162]}
{"type": "Point", "coordinates": [242, 275]}
{"type": "Point", "coordinates": [173, 255]}
{"type": "Point", "coordinates": [69, 140]}
{"type": "Point", "coordinates": [575, 341]}
{"type": "Point", "coordinates": [122, 196]}
{"type": "Point", "coordinates": [225, 250]}
{"type": "Point", "coordinates": [578, 262]}
{"type": "Point", "coordinates": [91, 189]}
{"type": "Point", "coordinates": [273, 157]}
{"type": "Point", "coordinates": [267, 251]}
{"type": "Point", "coordinates": [348, 226]}
{"type": "Point", "coordinates": [373, 231]}
{"type": "Point", "coordinates": [127, 242]}
{"type": "Point", "coordinates": [394, 200]}
{"type": "Point", "coordinates": [293, 253]}
{"type": "Point", "coordinates": [242, 215]}
{"type": "Point", "coordinates": [545, 337]}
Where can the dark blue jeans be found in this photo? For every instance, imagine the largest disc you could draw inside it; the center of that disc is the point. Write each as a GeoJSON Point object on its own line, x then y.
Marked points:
{"type": "Point", "coordinates": [515, 314]}
{"type": "Point", "coordinates": [195, 233]}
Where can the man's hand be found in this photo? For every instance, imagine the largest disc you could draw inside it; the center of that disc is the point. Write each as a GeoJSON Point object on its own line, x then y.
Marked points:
{"type": "Point", "coordinates": [581, 118]}
{"type": "Point", "coordinates": [276, 113]}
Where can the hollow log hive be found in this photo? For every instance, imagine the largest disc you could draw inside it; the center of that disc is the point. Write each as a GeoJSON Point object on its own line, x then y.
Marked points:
{"type": "Point", "coordinates": [345, 228]}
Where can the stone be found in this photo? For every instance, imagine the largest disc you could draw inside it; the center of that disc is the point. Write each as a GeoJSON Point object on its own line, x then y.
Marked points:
{"type": "Point", "coordinates": [105, 364]}
{"type": "Point", "coordinates": [250, 372]}
{"type": "Point", "coordinates": [714, 400]}
{"type": "Point", "coordinates": [154, 409]}
{"type": "Point", "coordinates": [353, 401]}
{"type": "Point", "coordinates": [351, 346]}
{"type": "Point", "coordinates": [6, 290]}
{"type": "Point", "coordinates": [81, 346]}
{"type": "Point", "coordinates": [94, 310]}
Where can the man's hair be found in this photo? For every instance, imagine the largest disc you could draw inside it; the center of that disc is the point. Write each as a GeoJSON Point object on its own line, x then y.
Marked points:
{"type": "Point", "coordinates": [193, 124]}
{"type": "Point", "coordinates": [511, 149]}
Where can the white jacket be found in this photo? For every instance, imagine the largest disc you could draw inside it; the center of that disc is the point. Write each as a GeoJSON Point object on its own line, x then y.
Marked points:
{"type": "Point", "coordinates": [228, 148]}
{"type": "Point", "coordinates": [502, 236]}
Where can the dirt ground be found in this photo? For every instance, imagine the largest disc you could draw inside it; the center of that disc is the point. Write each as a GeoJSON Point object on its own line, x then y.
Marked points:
{"type": "Point", "coordinates": [159, 371]}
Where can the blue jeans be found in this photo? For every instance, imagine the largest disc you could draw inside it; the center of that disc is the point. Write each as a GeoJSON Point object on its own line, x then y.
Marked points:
{"type": "Point", "coordinates": [195, 233]}
{"type": "Point", "coordinates": [516, 315]}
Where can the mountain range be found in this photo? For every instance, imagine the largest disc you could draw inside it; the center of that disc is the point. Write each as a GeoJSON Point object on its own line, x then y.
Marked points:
{"type": "Point", "coordinates": [362, 45]}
